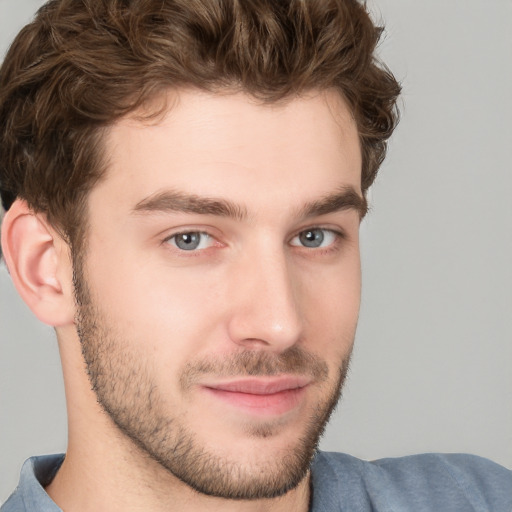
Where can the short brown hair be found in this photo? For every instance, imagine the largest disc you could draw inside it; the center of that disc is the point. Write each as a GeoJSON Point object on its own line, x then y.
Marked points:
{"type": "Point", "coordinates": [83, 64]}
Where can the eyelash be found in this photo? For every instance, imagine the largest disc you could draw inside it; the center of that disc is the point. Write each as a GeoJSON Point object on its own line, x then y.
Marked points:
{"type": "Point", "coordinates": [174, 237]}
{"type": "Point", "coordinates": [333, 244]}
{"type": "Point", "coordinates": [337, 235]}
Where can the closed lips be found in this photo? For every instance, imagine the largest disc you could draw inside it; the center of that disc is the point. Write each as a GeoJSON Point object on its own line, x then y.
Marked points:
{"type": "Point", "coordinates": [261, 386]}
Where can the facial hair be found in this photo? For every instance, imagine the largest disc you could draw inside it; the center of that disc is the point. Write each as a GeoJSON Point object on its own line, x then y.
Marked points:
{"type": "Point", "coordinates": [126, 389]}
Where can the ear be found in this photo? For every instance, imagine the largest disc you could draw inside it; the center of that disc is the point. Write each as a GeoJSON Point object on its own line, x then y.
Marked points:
{"type": "Point", "coordinates": [39, 262]}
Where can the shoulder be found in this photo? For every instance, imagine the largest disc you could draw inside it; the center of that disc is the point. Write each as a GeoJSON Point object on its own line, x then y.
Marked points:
{"type": "Point", "coordinates": [428, 482]}
{"type": "Point", "coordinates": [14, 503]}
{"type": "Point", "coordinates": [30, 496]}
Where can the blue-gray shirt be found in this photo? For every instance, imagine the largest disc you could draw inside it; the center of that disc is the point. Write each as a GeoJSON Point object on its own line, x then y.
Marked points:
{"type": "Point", "coordinates": [419, 483]}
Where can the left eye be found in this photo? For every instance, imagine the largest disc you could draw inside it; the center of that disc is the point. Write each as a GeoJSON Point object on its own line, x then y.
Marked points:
{"type": "Point", "coordinates": [314, 238]}
{"type": "Point", "coordinates": [191, 240]}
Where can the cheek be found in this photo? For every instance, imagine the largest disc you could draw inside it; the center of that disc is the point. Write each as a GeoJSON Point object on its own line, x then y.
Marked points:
{"type": "Point", "coordinates": [165, 309]}
{"type": "Point", "coordinates": [181, 313]}
{"type": "Point", "coordinates": [334, 292]}
{"type": "Point", "coordinates": [331, 306]}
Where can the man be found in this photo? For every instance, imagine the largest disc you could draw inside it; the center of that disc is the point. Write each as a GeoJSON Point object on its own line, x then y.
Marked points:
{"type": "Point", "coordinates": [183, 185]}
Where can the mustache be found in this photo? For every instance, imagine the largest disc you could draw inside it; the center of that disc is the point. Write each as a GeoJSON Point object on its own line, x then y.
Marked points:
{"type": "Point", "coordinates": [294, 361]}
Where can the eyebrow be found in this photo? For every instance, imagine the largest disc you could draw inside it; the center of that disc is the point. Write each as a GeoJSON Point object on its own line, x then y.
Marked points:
{"type": "Point", "coordinates": [345, 198]}
{"type": "Point", "coordinates": [173, 201]}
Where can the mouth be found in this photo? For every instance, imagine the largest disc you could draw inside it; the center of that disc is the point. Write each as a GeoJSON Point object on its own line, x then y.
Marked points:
{"type": "Point", "coordinates": [268, 396]}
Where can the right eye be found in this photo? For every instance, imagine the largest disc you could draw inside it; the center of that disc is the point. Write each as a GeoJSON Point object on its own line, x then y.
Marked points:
{"type": "Point", "coordinates": [191, 240]}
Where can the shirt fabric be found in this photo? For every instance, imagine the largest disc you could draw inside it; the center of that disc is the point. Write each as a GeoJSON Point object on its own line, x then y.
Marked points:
{"type": "Point", "coordinates": [341, 483]}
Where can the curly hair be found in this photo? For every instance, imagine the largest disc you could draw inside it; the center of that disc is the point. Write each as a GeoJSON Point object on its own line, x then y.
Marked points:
{"type": "Point", "coordinates": [80, 65]}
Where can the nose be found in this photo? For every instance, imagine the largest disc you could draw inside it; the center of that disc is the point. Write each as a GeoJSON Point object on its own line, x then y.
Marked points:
{"type": "Point", "coordinates": [265, 302]}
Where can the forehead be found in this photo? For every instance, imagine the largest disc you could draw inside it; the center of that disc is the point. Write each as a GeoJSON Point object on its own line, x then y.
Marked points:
{"type": "Point", "coordinates": [228, 145]}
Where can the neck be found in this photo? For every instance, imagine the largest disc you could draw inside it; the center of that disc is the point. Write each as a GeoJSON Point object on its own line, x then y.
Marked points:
{"type": "Point", "coordinates": [105, 471]}
{"type": "Point", "coordinates": [100, 478]}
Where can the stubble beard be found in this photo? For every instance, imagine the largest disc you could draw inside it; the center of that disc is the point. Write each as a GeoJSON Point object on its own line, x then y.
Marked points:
{"type": "Point", "coordinates": [125, 388]}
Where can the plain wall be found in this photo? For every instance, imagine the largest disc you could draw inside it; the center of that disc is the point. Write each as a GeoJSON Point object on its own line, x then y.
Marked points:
{"type": "Point", "coordinates": [432, 365]}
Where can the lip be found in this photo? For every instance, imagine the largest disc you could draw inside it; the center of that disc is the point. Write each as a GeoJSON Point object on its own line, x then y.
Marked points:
{"type": "Point", "coordinates": [268, 396]}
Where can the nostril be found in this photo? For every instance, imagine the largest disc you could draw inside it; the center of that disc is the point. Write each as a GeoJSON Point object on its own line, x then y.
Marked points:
{"type": "Point", "coordinates": [265, 307]}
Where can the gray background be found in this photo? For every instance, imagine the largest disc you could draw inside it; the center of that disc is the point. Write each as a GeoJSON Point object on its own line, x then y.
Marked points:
{"type": "Point", "coordinates": [432, 364]}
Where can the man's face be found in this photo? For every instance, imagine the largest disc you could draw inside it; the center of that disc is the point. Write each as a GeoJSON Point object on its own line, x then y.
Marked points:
{"type": "Point", "coordinates": [219, 292]}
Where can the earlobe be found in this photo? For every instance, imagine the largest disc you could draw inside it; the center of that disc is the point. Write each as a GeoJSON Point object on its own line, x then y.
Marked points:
{"type": "Point", "coordinates": [39, 264]}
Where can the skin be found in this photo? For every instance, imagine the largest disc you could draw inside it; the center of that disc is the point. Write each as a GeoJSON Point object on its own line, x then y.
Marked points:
{"type": "Point", "coordinates": [251, 306]}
